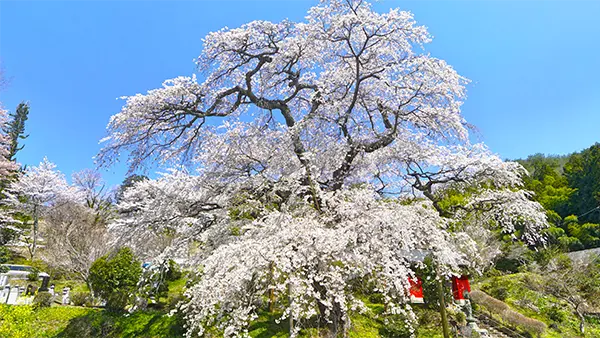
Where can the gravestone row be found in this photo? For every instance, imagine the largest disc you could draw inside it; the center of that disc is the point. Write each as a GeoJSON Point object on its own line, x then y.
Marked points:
{"type": "Point", "coordinates": [18, 295]}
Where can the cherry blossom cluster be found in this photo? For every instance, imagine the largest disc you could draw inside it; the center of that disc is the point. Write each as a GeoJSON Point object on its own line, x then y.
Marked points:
{"type": "Point", "coordinates": [316, 154]}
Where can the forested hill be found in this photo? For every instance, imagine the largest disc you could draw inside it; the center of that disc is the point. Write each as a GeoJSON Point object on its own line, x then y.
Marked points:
{"type": "Point", "coordinates": [568, 186]}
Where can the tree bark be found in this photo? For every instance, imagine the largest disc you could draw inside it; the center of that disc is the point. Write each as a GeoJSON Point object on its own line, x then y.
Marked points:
{"type": "Point", "coordinates": [581, 320]}
{"type": "Point", "coordinates": [33, 246]}
{"type": "Point", "coordinates": [336, 323]}
{"type": "Point", "coordinates": [272, 290]}
{"type": "Point", "coordinates": [292, 331]}
{"type": "Point", "coordinates": [445, 329]}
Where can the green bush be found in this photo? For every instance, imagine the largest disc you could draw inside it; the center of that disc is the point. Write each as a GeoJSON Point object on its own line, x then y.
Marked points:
{"type": "Point", "coordinates": [395, 328]}
{"type": "Point", "coordinates": [174, 301]}
{"type": "Point", "coordinates": [430, 280]}
{"type": "Point", "coordinates": [34, 275]}
{"type": "Point", "coordinates": [376, 298]}
{"type": "Point", "coordinates": [556, 314]}
{"type": "Point", "coordinates": [42, 299]}
{"type": "Point", "coordinates": [115, 277]}
{"type": "Point", "coordinates": [108, 324]}
{"type": "Point", "coordinates": [428, 317]}
{"type": "Point", "coordinates": [174, 272]}
{"type": "Point", "coordinates": [4, 258]}
{"type": "Point", "coordinates": [457, 316]}
{"type": "Point", "coordinates": [82, 299]}
{"type": "Point", "coordinates": [509, 265]}
{"type": "Point", "coordinates": [499, 292]}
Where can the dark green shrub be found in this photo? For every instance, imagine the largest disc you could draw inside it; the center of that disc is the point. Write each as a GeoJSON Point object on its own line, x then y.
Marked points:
{"type": "Point", "coordinates": [174, 272]}
{"type": "Point", "coordinates": [115, 277]}
{"type": "Point", "coordinates": [544, 256]}
{"type": "Point", "coordinates": [82, 299]}
{"type": "Point", "coordinates": [458, 317]}
{"type": "Point", "coordinates": [376, 298]}
{"type": "Point", "coordinates": [499, 292]}
{"type": "Point", "coordinates": [4, 258]}
{"type": "Point", "coordinates": [556, 314]}
{"type": "Point", "coordinates": [508, 265]}
{"type": "Point", "coordinates": [42, 299]}
{"type": "Point", "coordinates": [395, 328]}
{"type": "Point", "coordinates": [428, 317]}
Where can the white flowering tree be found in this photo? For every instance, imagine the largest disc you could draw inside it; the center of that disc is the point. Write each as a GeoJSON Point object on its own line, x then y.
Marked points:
{"type": "Point", "coordinates": [76, 230]}
{"type": "Point", "coordinates": [324, 153]}
{"type": "Point", "coordinates": [37, 190]}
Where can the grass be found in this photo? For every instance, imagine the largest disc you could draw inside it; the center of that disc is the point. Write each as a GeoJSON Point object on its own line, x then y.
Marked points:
{"type": "Point", "coordinates": [70, 321]}
{"type": "Point", "coordinates": [371, 324]}
{"type": "Point", "coordinates": [143, 324]}
{"type": "Point", "coordinates": [518, 291]}
{"type": "Point", "coordinates": [25, 322]}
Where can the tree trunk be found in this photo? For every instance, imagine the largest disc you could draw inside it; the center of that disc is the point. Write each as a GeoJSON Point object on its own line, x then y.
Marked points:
{"type": "Point", "coordinates": [89, 285]}
{"type": "Point", "coordinates": [292, 331]}
{"type": "Point", "coordinates": [336, 323]}
{"type": "Point", "coordinates": [581, 320]}
{"type": "Point", "coordinates": [33, 246]}
{"type": "Point", "coordinates": [272, 290]}
{"type": "Point", "coordinates": [441, 295]}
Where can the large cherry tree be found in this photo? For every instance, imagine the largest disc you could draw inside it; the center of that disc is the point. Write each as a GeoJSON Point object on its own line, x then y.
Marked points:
{"type": "Point", "coordinates": [317, 154]}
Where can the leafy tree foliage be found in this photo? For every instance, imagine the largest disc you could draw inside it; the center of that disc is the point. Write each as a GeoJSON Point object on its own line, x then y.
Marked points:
{"type": "Point", "coordinates": [583, 173]}
{"type": "Point", "coordinates": [7, 166]}
{"type": "Point", "coordinates": [10, 228]}
{"type": "Point", "coordinates": [568, 188]}
{"type": "Point", "coordinates": [4, 257]}
{"type": "Point", "coordinates": [114, 277]}
{"type": "Point", "coordinates": [15, 129]}
{"type": "Point", "coordinates": [547, 181]}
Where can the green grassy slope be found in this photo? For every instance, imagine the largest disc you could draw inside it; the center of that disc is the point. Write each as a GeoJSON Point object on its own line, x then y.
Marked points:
{"type": "Point", "coordinates": [521, 293]}
{"type": "Point", "coordinates": [517, 290]}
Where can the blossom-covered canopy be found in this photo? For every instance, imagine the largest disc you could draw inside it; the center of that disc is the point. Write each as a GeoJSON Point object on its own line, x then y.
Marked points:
{"type": "Point", "coordinates": [324, 152]}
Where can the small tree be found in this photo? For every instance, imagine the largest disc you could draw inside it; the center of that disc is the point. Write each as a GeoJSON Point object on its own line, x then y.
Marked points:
{"type": "Point", "coordinates": [75, 239]}
{"type": "Point", "coordinates": [115, 277]}
{"type": "Point", "coordinates": [76, 232]}
{"type": "Point", "coordinates": [578, 284]}
{"type": "Point", "coordinates": [38, 190]}
{"type": "Point", "coordinates": [15, 129]}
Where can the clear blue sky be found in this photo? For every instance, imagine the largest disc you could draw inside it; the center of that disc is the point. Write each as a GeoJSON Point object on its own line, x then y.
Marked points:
{"type": "Point", "coordinates": [535, 65]}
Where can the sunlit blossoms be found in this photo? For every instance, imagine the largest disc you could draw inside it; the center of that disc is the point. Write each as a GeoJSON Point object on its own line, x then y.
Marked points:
{"type": "Point", "coordinates": [37, 190]}
{"type": "Point", "coordinates": [318, 154]}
